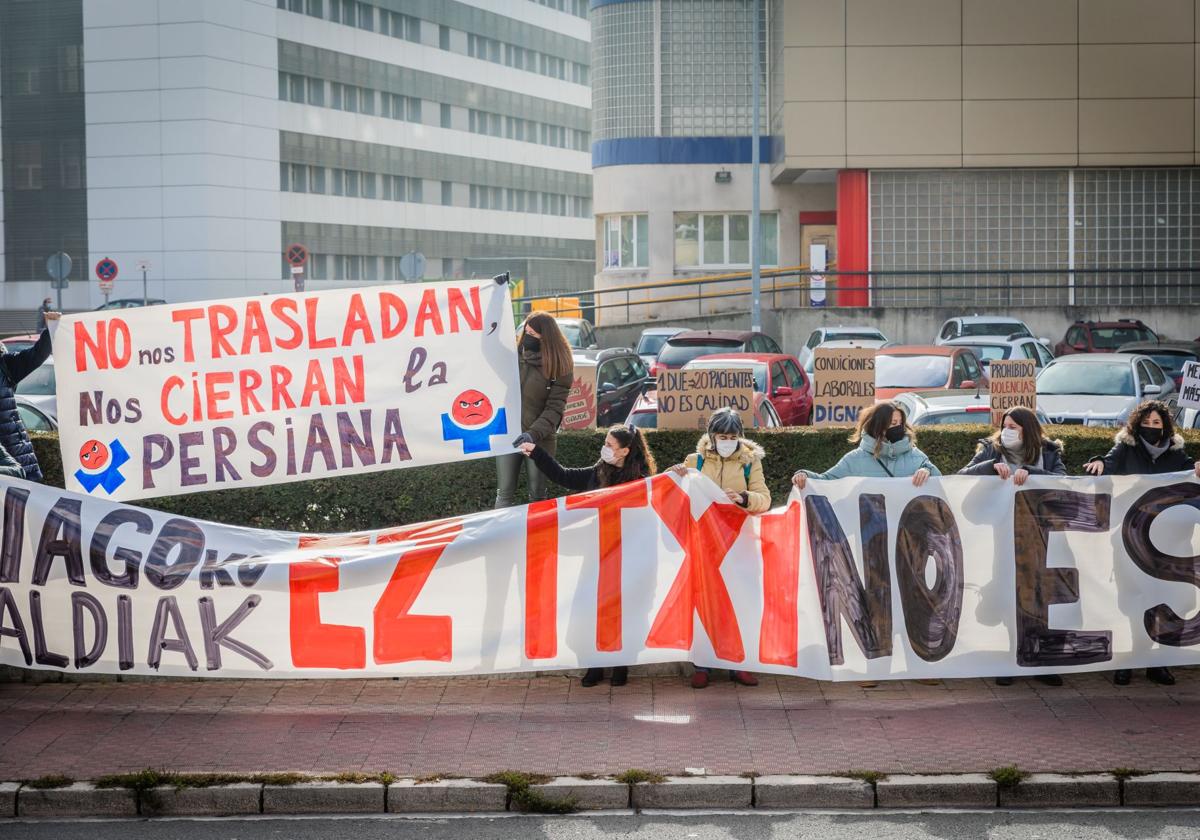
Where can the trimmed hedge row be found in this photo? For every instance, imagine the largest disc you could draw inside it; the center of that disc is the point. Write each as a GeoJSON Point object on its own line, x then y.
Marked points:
{"type": "Point", "coordinates": [397, 497]}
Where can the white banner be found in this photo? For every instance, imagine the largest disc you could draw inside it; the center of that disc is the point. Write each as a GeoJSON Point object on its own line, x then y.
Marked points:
{"type": "Point", "coordinates": [858, 578]}
{"type": "Point", "coordinates": [179, 398]}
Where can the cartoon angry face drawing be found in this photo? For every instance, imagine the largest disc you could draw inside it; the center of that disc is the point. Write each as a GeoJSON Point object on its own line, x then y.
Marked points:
{"type": "Point", "coordinates": [471, 408]}
{"type": "Point", "coordinates": [93, 455]}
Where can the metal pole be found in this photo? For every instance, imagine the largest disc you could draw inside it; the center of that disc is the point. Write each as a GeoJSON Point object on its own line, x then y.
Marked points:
{"type": "Point", "coordinates": [145, 291]}
{"type": "Point", "coordinates": [58, 287]}
{"type": "Point", "coordinates": [755, 216]}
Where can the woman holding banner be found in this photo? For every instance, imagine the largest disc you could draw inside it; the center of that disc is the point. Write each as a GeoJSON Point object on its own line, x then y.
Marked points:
{"type": "Point", "coordinates": [1147, 445]}
{"type": "Point", "coordinates": [546, 370]}
{"type": "Point", "coordinates": [886, 449]}
{"type": "Point", "coordinates": [624, 457]}
{"type": "Point", "coordinates": [1019, 448]}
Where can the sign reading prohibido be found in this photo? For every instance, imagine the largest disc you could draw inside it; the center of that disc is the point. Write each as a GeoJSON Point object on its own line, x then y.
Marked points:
{"type": "Point", "coordinates": [687, 398]}
{"type": "Point", "coordinates": [844, 380]}
{"type": "Point", "coordinates": [1013, 383]}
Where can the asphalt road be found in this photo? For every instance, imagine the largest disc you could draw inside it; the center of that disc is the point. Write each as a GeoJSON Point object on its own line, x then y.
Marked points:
{"type": "Point", "coordinates": [1125, 824]}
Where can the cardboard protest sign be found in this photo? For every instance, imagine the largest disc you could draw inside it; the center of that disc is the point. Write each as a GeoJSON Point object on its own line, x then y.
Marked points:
{"type": "Point", "coordinates": [687, 398]}
{"type": "Point", "coordinates": [844, 383]}
{"type": "Point", "coordinates": [1013, 382]}
{"type": "Point", "coordinates": [1189, 388]}
{"type": "Point", "coordinates": [178, 398]}
{"type": "Point", "coordinates": [580, 410]}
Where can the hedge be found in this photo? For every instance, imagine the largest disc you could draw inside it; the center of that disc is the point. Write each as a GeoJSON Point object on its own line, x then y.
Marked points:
{"type": "Point", "coordinates": [397, 497]}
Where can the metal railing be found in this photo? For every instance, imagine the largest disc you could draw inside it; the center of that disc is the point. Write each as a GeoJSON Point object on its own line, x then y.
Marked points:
{"type": "Point", "coordinates": [789, 288]}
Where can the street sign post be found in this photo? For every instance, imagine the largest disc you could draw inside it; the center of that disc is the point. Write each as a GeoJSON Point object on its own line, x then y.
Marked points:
{"type": "Point", "coordinates": [297, 255]}
{"type": "Point", "coordinates": [106, 273]}
{"type": "Point", "coordinates": [144, 267]}
{"type": "Point", "coordinates": [59, 266]}
{"type": "Point", "coordinates": [412, 265]}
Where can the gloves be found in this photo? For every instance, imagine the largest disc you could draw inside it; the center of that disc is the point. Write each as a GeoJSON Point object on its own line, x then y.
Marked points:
{"type": "Point", "coordinates": [524, 437]}
{"type": "Point", "coordinates": [501, 279]}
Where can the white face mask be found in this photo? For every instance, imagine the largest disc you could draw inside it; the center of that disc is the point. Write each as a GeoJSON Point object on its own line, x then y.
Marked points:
{"type": "Point", "coordinates": [1011, 438]}
{"type": "Point", "coordinates": [725, 448]}
{"type": "Point", "coordinates": [607, 455]}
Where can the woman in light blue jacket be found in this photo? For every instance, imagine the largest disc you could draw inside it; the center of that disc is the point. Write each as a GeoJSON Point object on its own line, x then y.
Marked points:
{"type": "Point", "coordinates": [886, 449]}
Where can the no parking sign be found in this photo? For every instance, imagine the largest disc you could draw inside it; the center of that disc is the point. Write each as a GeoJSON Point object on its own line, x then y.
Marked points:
{"type": "Point", "coordinates": [106, 273]}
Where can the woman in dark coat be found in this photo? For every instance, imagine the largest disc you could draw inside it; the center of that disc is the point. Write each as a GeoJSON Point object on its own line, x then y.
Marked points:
{"type": "Point", "coordinates": [13, 368]}
{"type": "Point", "coordinates": [1146, 445]}
{"type": "Point", "coordinates": [624, 457]}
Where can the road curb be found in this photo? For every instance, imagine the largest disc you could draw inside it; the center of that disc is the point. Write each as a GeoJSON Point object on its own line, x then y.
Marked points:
{"type": "Point", "coordinates": [414, 796]}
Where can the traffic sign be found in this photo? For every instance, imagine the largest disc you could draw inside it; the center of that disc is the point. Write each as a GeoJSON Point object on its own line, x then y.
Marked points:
{"type": "Point", "coordinates": [297, 254]}
{"type": "Point", "coordinates": [143, 265]}
{"type": "Point", "coordinates": [106, 271]}
{"type": "Point", "coordinates": [412, 265]}
{"type": "Point", "coordinates": [106, 286]}
{"type": "Point", "coordinates": [59, 266]}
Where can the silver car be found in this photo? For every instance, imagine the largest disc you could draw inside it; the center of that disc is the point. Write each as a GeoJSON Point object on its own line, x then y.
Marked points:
{"type": "Point", "coordinates": [1100, 389]}
{"type": "Point", "coordinates": [989, 347]}
{"type": "Point", "coordinates": [943, 408]}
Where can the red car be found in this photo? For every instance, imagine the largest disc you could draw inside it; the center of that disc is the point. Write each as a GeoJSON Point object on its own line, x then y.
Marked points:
{"type": "Point", "coordinates": [645, 412]}
{"type": "Point", "coordinates": [920, 367]}
{"type": "Point", "coordinates": [1102, 336]}
{"type": "Point", "coordinates": [682, 347]}
{"type": "Point", "coordinates": [777, 376]}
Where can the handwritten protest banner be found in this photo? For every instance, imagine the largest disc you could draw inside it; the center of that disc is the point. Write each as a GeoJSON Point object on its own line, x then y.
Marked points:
{"type": "Point", "coordinates": [844, 383]}
{"type": "Point", "coordinates": [178, 398]}
{"type": "Point", "coordinates": [1013, 383]}
{"type": "Point", "coordinates": [1189, 387]}
{"type": "Point", "coordinates": [687, 398]}
{"type": "Point", "coordinates": [960, 578]}
{"type": "Point", "coordinates": [580, 410]}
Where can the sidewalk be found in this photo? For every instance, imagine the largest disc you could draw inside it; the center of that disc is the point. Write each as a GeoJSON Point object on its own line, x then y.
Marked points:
{"type": "Point", "coordinates": [550, 724]}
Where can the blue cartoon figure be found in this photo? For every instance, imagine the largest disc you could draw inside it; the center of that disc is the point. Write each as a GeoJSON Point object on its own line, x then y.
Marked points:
{"type": "Point", "coordinates": [471, 420]}
{"type": "Point", "coordinates": [101, 465]}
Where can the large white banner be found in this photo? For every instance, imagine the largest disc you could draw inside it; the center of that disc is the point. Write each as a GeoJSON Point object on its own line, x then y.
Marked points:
{"type": "Point", "coordinates": [853, 579]}
{"type": "Point", "coordinates": [179, 398]}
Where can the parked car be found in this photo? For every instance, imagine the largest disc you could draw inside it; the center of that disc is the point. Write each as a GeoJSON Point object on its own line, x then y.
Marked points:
{"type": "Point", "coordinates": [842, 344]}
{"type": "Point", "coordinates": [991, 347]}
{"type": "Point", "coordinates": [941, 408]}
{"type": "Point", "coordinates": [579, 333]}
{"type": "Point", "coordinates": [34, 418]}
{"type": "Point", "coordinates": [38, 388]}
{"type": "Point", "coordinates": [129, 303]}
{"type": "Point", "coordinates": [620, 378]}
{"type": "Point", "coordinates": [776, 375]}
{"type": "Point", "coordinates": [973, 325]}
{"type": "Point", "coordinates": [1171, 356]}
{"type": "Point", "coordinates": [868, 336]}
{"type": "Point", "coordinates": [1102, 336]}
{"type": "Point", "coordinates": [645, 412]}
{"type": "Point", "coordinates": [1100, 389]}
{"type": "Point", "coordinates": [922, 367]}
{"type": "Point", "coordinates": [17, 343]}
{"type": "Point", "coordinates": [1188, 418]}
{"type": "Point", "coordinates": [652, 340]}
{"type": "Point", "coordinates": [685, 346]}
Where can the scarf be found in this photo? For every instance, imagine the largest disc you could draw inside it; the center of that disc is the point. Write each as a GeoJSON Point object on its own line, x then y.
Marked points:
{"type": "Point", "coordinates": [1156, 452]}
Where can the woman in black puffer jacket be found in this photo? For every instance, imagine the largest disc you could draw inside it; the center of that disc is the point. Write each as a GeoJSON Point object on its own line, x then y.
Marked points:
{"type": "Point", "coordinates": [1147, 445]}
{"type": "Point", "coordinates": [13, 368]}
{"type": "Point", "coordinates": [624, 457]}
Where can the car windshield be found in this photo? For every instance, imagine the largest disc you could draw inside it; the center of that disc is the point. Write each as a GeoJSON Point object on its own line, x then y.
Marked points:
{"type": "Point", "coordinates": [678, 355]}
{"type": "Point", "coordinates": [911, 371]}
{"type": "Point", "coordinates": [1101, 380]}
{"type": "Point", "coordinates": [994, 328]}
{"type": "Point", "coordinates": [570, 333]}
{"type": "Point", "coordinates": [868, 335]}
{"type": "Point", "coordinates": [644, 419]}
{"type": "Point", "coordinates": [947, 418]}
{"type": "Point", "coordinates": [649, 345]}
{"type": "Point", "coordinates": [38, 383]}
{"type": "Point", "coordinates": [760, 371]}
{"type": "Point", "coordinates": [1110, 338]}
{"type": "Point", "coordinates": [33, 420]}
{"type": "Point", "coordinates": [986, 352]}
{"type": "Point", "coordinates": [1172, 363]}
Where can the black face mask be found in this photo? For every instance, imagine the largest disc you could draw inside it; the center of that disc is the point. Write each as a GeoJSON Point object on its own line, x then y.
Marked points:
{"type": "Point", "coordinates": [1151, 436]}
{"type": "Point", "coordinates": [894, 434]}
{"type": "Point", "coordinates": [531, 343]}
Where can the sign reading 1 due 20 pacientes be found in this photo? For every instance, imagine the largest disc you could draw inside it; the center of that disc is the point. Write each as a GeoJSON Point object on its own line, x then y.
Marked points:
{"type": "Point", "coordinates": [180, 398]}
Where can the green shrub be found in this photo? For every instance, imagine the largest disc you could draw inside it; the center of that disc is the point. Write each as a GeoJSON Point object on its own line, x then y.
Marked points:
{"type": "Point", "coordinates": [397, 497]}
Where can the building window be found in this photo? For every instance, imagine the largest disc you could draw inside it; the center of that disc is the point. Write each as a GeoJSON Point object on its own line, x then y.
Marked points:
{"type": "Point", "coordinates": [722, 239]}
{"type": "Point", "coordinates": [626, 241]}
{"type": "Point", "coordinates": [447, 193]}
{"type": "Point", "coordinates": [27, 165]}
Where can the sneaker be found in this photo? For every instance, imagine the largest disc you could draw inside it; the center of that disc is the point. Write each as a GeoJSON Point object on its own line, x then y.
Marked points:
{"type": "Point", "coordinates": [1049, 679]}
{"type": "Point", "coordinates": [743, 678]}
{"type": "Point", "coordinates": [620, 676]}
{"type": "Point", "coordinates": [592, 677]}
{"type": "Point", "coordinates": [1162, 676]}
{"type": "Point", "coordinates": [1122, 676]}
{"type": "Point", "coordinates": [1004, 680]}
{"type": "Point", "coordinates": [700, 679]}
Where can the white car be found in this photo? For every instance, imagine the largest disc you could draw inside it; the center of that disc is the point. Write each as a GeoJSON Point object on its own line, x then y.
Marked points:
{"type": "Point", "coordinates": [941, 408]}
{"type": "Point", "coordinates": [989, 347]}
{"type": "Point", "coordinates": [652, 340]}
{"type": "Point", "coordinates": [873, 343]}
{"type": "Point", "coordinates": [1188, 418]}
{"type": "Point", "coordinates": [38, 389]}
{"type": "Point", "coordinates": [824, 335]}
{"type": "Point", "coordinates": [1100, 389]}
{"type": "Point", "coordinates": [970, 326]}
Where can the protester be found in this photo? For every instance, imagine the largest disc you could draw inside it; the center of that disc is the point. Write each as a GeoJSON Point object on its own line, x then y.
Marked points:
{"type": "Point", "coordinates": [624, 457]}
{"type": "Point", "coordinates": [886, 449]}
{"type": "Point", "coordinates": [13, 368]}
{"type": "Point", "coordinates": [1147, 445]}
{"type": "Point", "coordinates": [1019, 448]}
{"type": "Point", "coordinates": [735, 465]}
{"type": "Point", "coordinates": [42, 310]}
{"type": "Point", "coordinates": [546, 370]}
{"type": "Point", "coordinates": [9, 468]}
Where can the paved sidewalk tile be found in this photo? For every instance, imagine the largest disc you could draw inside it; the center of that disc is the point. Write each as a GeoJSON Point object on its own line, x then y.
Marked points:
{"type": "Point", "coordinates": [472, 726]}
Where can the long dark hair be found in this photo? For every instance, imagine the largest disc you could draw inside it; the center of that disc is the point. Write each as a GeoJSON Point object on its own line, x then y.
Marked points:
{"type": "Point", "coordinates": [874, 421]}
{"type": "Point", "coordinates": [1033, 438]}
{"type": "Point", "coordinates": [1139, 414]}
{"type": "Point", "coordinates": [639, 463]}
{"type": "Point", "coordinates": [556, 352]}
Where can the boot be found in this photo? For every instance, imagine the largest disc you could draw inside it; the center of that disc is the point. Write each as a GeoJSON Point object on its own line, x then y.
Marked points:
{"type": "Point", "coordinates": [592, 677]}
{"type": "Point", "coordinates": [620, 676]}
{"type": "Point", "coordinates": [743, 678]}
{"type": "Point", "coordinates": [1162, 676]}
{"type": "Point", "coordinates": [700, 679]}
{"type": "Point", "coordinates": [1122, 676]}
